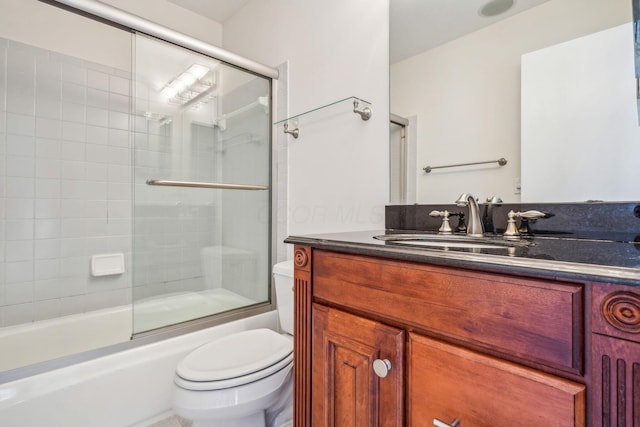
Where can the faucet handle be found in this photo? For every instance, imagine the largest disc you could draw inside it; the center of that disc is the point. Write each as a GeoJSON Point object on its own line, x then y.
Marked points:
{"type": "Point", "coordinates": [462, 226]}
{"type": "Point", "coordinates": [512, 232]}
{"type": "Point", "coordinates": [445, 228]}
{"type": "Point", "coordinates": [532, 214]}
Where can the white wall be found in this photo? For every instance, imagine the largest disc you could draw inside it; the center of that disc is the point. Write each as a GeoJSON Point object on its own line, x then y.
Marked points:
{"type": "Point", "coordinates": [172, 16]}
{"type": "Point", "coordinates": [48, 27]}
{"type": "Point", "coordinates": [579, 107]}
{"type": "Point", "coordinates": [466, 95]}
{"type": "Point", "coordinates": [338, 167]}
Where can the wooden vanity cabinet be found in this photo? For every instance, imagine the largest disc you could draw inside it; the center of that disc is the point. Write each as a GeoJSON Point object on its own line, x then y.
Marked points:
{"type": "Point", "coordinates": [483, 349]}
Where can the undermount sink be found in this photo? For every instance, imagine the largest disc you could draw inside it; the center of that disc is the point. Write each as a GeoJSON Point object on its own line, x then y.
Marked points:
{"type": "Point", "coordinates": [451, 241]}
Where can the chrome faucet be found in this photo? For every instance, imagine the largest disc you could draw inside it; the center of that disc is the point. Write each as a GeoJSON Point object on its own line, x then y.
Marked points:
{"type": "Point", "coordinates": [474, 226]}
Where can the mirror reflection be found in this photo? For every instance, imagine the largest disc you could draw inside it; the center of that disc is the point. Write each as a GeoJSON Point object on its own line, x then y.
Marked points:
{"type": "Point", "coordinates": [547, 85]}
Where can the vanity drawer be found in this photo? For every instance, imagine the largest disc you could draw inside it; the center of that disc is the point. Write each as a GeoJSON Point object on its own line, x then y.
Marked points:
{"type": "Point", "coordinates": [448, 382]}
{"type": "Point", "coordinates": [533, 320]}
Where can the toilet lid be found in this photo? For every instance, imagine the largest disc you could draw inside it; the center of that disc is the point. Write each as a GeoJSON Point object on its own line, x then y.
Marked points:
{"type": "Point", "coordinates": [235, 355]}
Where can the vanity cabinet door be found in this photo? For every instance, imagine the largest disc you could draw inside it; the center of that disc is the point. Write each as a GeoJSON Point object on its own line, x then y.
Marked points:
{"type": "Point", "coordinates": [449, 383]}
{"type": "Point", "coordinates": [345, 389]}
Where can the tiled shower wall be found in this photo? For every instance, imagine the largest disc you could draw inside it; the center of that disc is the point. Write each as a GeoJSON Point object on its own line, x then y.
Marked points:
{"type": "Point", "coordinates": [65, 189]}
{"type": "Point", "coordinates": [171, 224]}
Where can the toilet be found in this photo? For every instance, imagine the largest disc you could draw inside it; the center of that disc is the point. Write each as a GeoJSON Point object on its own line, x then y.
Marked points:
{"type": "Point", "coordinates": [243, 379]}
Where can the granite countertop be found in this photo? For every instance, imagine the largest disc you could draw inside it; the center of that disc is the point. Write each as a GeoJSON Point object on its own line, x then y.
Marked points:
{"type": "Point", "coordinates": [613, 261]}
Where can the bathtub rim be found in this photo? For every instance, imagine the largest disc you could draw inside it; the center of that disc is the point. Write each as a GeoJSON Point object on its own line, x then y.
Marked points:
{"type": "Point", "coordinates": [138, 340]}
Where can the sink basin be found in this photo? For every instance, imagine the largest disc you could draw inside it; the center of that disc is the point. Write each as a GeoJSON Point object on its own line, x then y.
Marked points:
{"type": "Point", "coordinates": [451, 241]}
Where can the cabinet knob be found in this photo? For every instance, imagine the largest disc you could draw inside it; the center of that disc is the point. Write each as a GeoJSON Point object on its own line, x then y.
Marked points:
{"type": "Point", "coordinates": [381, 367]}
{"type": "Point", "coordinates": [438, 423]}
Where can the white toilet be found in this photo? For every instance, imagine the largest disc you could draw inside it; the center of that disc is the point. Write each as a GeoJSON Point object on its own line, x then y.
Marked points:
{"type": "Point", "coordinates": [243, 379]}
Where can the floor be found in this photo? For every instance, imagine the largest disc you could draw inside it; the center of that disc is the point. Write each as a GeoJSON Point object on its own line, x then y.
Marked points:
{"type": "Point", "coordinates": [172, 421]}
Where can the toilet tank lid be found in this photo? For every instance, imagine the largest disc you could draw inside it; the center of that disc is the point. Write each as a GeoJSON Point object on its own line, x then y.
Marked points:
{"type": "Point", "coordinates": [284, 268]}
{"type": "Point", "coordinates": [235, 355]}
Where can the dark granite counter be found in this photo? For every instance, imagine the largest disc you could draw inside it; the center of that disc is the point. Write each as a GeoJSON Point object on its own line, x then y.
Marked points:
{"type": "Point", "coordinates": [612, 261]}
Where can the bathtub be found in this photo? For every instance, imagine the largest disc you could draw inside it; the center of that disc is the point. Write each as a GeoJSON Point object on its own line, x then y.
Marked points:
{"type": "Point", "coordinates": [35, 342]}
{"type": "Point", "coordinates": [48, 339]}
{"type": "Point", "coordinates": [131, 388]}
{"type": "Point", "coordinates": [169, 309]}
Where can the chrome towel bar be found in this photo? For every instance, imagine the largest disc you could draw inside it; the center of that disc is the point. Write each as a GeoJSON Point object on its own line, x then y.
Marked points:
{"type": "Point", "coordinates": [501, 162]}
{"type": "Point", "coordinates": [168, 183]}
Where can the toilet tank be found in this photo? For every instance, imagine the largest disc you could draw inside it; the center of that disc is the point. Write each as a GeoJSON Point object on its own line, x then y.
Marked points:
{"type": "Point", "coordinates": [283, 277]}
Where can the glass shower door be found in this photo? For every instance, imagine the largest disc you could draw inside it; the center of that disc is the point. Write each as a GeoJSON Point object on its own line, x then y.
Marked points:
{"type": "Point", "coordinates": [202, 176]}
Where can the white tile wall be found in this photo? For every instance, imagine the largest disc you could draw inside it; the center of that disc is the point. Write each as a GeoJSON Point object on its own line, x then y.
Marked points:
{"type": "Point", "coordinates": [66, 167]}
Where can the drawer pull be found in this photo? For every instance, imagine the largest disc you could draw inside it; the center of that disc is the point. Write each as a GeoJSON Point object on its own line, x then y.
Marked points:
{"type": "Point", "coordinates": [438, 423]}
{"type": "Point", "coordinates": [381, 367]}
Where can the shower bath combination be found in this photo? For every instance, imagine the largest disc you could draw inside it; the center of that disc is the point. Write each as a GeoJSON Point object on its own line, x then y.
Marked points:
{"type": "Point", "coordinates": [161, 162]}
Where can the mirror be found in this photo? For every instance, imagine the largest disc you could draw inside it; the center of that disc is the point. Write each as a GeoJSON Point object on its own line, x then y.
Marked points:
{"type": "Point", "coordinates": [479, 92]}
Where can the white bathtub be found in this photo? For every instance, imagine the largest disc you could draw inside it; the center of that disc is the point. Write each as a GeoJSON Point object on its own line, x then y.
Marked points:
{"type": "Point", "coordinates": [130, 388]}
{"type": "Point", "coordinates": [26, 344]}
{"type": "Point", "coordinates": [48, 339]}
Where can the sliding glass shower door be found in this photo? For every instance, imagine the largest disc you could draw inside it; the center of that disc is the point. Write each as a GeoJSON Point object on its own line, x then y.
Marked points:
{"type": "Point", "coordinates": [202, 177]}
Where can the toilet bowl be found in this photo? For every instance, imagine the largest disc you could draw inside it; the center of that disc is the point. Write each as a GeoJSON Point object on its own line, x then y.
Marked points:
{"type": "Point", "coordinates": [243, 379]}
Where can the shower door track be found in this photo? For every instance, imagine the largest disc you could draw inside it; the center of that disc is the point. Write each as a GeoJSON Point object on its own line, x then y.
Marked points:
{"type": "Point", "coordinates": [133, 22]}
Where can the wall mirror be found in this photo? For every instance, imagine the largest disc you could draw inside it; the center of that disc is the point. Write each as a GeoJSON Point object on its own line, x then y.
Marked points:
{"type": "Point", "coordinates": [549, 85]}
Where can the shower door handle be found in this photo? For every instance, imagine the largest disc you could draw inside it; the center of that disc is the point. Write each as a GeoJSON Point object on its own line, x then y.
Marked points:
{"type": "Point", "coordinates": [195, 184]}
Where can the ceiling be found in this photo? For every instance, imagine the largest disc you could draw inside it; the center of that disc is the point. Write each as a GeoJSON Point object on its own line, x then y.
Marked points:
{"type": "Point", "coordinates": [217, 10]}
{"type": "Point", "coordinates": [419, 25]}
{"type": "Point", "coordinates": [415, 25]}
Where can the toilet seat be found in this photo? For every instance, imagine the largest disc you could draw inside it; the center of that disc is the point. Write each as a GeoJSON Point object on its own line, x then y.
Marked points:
{"type": "Point", "coordinates": [235, 360]}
